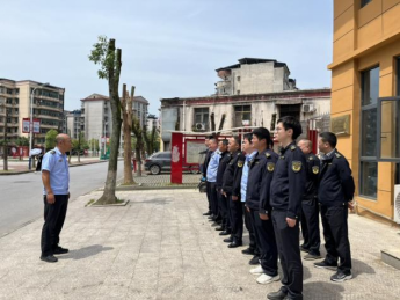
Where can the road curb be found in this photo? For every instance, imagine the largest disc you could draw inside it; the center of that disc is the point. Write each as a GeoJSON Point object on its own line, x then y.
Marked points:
{"type": "Point", "coordinates": [155, 188]}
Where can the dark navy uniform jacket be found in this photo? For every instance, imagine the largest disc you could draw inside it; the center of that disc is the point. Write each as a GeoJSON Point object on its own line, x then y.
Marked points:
{"type": "Point", "coordinates": [207, 158]}
{"type": "Point", "coordinates": [223, 161]}
{"type": "Point", "coordinates": [229, 174]}
{"type": "Point", "coordinates": [238, 175]}
{"type": "Point", "coordinates": [259, 180]}
{"type": "Point", "coordinates": [289, 180]}
{"type": "Point", "coordinates": [313, 169]}
{"type": "Point", "coordinates": [335, 179]}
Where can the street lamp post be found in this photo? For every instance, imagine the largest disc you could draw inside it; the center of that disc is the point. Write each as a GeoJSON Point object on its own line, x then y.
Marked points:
{"type": "Point", "coordinates": [30, 121]}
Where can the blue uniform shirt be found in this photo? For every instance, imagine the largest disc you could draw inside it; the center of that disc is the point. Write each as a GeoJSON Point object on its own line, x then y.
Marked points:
{"type": "Point", "coordinates": [213, 167]}
{"type": "Point", "coordinates": [245, 176]}
{"type": "Point", "coordinates": [57, 164]}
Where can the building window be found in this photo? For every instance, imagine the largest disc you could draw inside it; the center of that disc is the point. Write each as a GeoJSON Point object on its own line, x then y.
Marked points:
{"type": "Point", "coordinates": [238, 92]}
{"type": "Point", "coordinates": [202, 116]}
{"type": "Point", "coordinates": [365, 2]}
{"type": "Point", "coordinates": [238, 78]}
{"type": "Point", "coordinates": [9, 100]}
{"type": "Point", "coordinates": [368, 159]}
{"type": "Point", "coordinates": [273, 122]}
{"type": "Point", "coordinates": [289, 110]}
{"type": "Point", "coordinates": [242, 115]}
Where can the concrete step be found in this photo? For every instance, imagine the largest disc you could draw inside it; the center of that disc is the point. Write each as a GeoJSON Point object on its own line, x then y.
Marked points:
{"type": "Point", "coordinates": [391, 257]}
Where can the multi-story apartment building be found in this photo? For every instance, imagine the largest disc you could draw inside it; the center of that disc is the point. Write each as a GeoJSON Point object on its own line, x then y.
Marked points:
{"type": "Point", "coordinates": [254, 76]}
{"type": "Point", "coordinates": [74, 124]}
{"type": "Point", "coordinates": [365, 72]}
{"type": "Point", "coordinates": [48, 107]}
{"type": "Point", "coordinates": [152, 122]}
{"type": "Point", "coordinates": [96, 115]}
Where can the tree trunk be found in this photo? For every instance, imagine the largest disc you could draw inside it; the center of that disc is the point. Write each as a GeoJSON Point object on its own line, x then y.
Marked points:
{"type": "Point", "coordinates": [5, 152]}
{"type": "Point", "coordinates": [138, 148]}
{"type": "Point", "coordinates": [113, 80]}
{"type": "Point", "coordinates": [127, 117]}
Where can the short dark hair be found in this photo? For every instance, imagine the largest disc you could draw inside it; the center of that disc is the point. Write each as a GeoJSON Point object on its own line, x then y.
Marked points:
{"type": "Point", "coordinates": [290, 122]}
{"type": "Point", "coordinates": [328, 137]}
{"type": "Point", "coordinates": [210, 137]}
{"type": "Point", "coordinates": [225, 142]}
{"type": "Point", "coordinates": [248, 136]}
{"type": "Point", "coordinates": [263, 134]}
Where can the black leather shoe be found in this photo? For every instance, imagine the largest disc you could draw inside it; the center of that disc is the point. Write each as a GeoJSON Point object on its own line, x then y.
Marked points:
{"type": "Point", "coordinates": [59, 250]}
{"type": "Point", "coordinates": [207, 213]}
{"type": "Point", "coordinates": [248, 251]}
{"type": "Point", "coordinates": [224, 233]}
{"type": "Point", "coordinates": [255, 260]}
{"type": "Point", "coordinates": [228, 240]}
{"type": "Point", "coordinates": [220, 228]}
{"type": "Point", "coordinates": [302, 248]}
{"type": "Point", "coordinates": [235, 244]}
{"type": "Point", "coordinates": [279, 295]}
{"type": "Point", "coordinates": [49, 259]}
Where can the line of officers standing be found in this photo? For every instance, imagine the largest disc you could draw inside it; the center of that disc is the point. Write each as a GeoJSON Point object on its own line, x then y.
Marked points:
{"type": "Point", "coordinates": [276, 192]}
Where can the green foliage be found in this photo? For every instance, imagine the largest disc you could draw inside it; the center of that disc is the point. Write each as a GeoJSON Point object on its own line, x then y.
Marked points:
{"type": "Point", "coordinates": [101, 56]}
{"type": "Point", "coordinates": [50, 139]}
{"type": "Point", "coordinates": [22, 141]}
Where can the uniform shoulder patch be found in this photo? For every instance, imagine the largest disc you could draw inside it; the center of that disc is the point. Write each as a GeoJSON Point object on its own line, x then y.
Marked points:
{"type": "Point", "coordinates": [315, 170]}
{"type": "Point", "coordinates": [271, 166]}
{"type": "Point", "coordinates": [268, 155]}
{"type": "Point", "coordinates": [240, 164]}
{"type": "Point", "coordinates": [293, 147]}
{"type": "Point", "coordinates": [338, 155]}
{"type": "Point", "coordinates": [296, 166]}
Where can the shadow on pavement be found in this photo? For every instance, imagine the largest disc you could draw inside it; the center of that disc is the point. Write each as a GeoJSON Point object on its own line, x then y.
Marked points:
{"type": "Point", "coordinates": [358, 267]}
{"type": "Point", "coordinates": [85, 252]}
{"type": "Point", "coordinates": [320, 290]}
{"type": "Point", "coordinates": [156, 201]}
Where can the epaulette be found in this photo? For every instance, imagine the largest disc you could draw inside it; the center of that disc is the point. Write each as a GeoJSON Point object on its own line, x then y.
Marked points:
{"type": "Point", "coordinates": [268, 155]}
{"type": "Point", "coordinates": [52, 152]}
{"type": "Point", "coordinates": [338, 155]}
{"type": "Point", "coordinates": [293, 147]}
{"type": "Point", "coordinates": [311, 157]}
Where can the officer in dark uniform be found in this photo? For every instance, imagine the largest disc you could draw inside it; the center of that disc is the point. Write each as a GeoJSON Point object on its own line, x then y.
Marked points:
{"type": "Point", "coordinates": [335, 192]}
{"type": "Point", "coordinates": [207, 158]}
{"type": "Point", "coordinates": [235, 206]}
{"type": "Point", "coordinates": [239, 193]}
{"type": "Point", "coordinates": [257, 200]}
{"type": "Point", "coordinates": [225, 157]}
{"type": "Point", "coordinates": [286, 192]}
{"type": "Point", "coordinates": [310, 205]}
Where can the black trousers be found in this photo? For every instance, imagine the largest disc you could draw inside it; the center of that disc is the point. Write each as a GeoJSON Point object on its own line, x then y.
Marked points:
{"type": "Point", "coordinates": [250, 228]}
{"type": "Point", "coordinates": [310, 209]}
{"type": "Point", "coordinates": [214, 199]}
{"type": "Point", "coordinates": [54, 217]}
{"type": "Point", "coordinates": [237, 219]}
{"type": "Point", "coordinates": [224, 211]}
{"type": "Point", "coordinates": [208, 195]}
{"type": "Point", "coordinates": [265, 237]}
{"type": "Point", "coordinates": [336, 233]}
{"type": "Point", "coordinates": [303, 228]}
{"type": "Point", "coordinates": [287, 239]}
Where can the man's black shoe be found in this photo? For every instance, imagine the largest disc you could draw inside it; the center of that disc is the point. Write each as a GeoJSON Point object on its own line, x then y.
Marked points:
{"type": "Point", "coordinates": [279, 295]}
{"type": "Point", "coordinates": [220, 228]}
{"type": "Point", "coordinates": [235, 244]}
{"type": "Point", "coordinates": [341, 276]}
{"type": "Point", "coordinates": [248, 251]}
{"type": "Point", "coordinates": [324, 265]}
{"type": "Point", "coordinates": [49, 259]}
{"type": "Point", "coordinates": [228, 240]}
{"type": "Point", "coordinates": [59, 250]}
{"type": "Point", "coordinates": [305, 249]}
{"type": "Point", "coordinates": [207, 213]}
{"type": "Point", "coordinates": [255, 260]}
{"type": "Point", "coordinates": [226, 232]}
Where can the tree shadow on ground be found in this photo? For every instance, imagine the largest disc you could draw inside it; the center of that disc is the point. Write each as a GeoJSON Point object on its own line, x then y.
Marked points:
{"type": "Point", "coordinates": [358, 267]}
{"type": "Point", "coordinates": [85, 252]}
{"type": "Point", "coordinates": [321, 290]}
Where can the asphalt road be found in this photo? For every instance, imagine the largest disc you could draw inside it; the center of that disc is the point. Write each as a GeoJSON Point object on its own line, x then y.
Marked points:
{"type": "Point", "coordinates": [21, 196]}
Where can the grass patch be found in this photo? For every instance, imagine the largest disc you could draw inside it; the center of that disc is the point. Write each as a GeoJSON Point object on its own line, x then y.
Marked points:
{"type": "Point", "coordinates": [128, 184]}
{"type": "Point", "coordinates": [120, 201]}
{"type": "Point", "coordinates": [91, 201]}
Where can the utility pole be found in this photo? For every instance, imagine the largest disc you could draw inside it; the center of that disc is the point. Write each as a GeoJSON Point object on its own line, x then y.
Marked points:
{"type": "Point", "coordinates": [5, 152]}
{"type": "Point", "coordinates": [79, 145]}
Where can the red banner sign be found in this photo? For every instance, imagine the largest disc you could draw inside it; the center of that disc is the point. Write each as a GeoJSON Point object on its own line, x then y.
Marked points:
{"type": "Point", "coordinates": [26, 125]}
{"type": "Point", "coordinates": [176, 157]}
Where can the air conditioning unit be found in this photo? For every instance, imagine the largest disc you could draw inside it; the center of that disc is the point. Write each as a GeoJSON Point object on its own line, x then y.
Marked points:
{"type": "Point", "coordinates": [200, 126]}
{"type": "Point", "coordinates": [396, 206]}
{"type": "Point", "coordinates": [308, 107]}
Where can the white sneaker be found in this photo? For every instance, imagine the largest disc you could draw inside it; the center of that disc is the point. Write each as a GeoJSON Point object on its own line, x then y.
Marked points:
{"type": "Point", "coordinates": [265, 279]}
{"type": "Point", "coordinates": [257, 271]}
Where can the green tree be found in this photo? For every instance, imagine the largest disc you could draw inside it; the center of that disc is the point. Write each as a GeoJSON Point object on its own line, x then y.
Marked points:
{"type": "Point", "coordinates": [50, 139]}
{"type": "Point", "coordinates": [22, 141]}
{"type": "Point", "coordinates": [109, 58]}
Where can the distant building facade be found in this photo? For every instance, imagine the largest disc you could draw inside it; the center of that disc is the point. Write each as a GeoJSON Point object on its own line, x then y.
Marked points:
{"type": "Point", "coordinates": [152, 122]}
{"type": "Point", "coordinates": [74, 124]}
{"type": "Point", "coordinates": [48, 107]}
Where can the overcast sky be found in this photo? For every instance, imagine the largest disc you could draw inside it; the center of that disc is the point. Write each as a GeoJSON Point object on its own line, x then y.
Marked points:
{"type": "Point", "coordinates": [170, 48]}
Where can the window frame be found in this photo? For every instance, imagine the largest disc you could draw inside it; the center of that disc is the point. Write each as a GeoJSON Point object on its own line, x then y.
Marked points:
{"type": "Point", "coordinates": [365, 158]}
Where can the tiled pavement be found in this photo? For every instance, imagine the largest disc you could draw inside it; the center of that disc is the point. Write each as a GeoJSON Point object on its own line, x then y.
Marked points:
{"type": "Point", "coordinates": [161, 247]}
{"type": "Point", "coordinates": [164, 179]}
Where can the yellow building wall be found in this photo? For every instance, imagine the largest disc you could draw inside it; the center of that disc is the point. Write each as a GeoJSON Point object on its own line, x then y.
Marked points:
{"type": "Point", "coordinates": [364, 38]}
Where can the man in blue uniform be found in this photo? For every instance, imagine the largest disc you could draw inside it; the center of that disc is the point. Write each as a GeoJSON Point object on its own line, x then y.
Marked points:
{"type": "Point", "coordinates": [55, 177]}
{"type": "Point", "coordinates": [335, 192]}
{"type": "Point", "coordinates": [212, 179]}
{"type": "Point", "coordinates": [286, 192]}
{"type": "Point", "coordinates": [235, 206]}
{"type": "Point", "coordinates": [257, 200]}
{"type": "Point", "coordinates": [207, 157]}
{"type": "Point", "coordinates": [310, 205]}
{"type": "Point", "coordinates": [225, 157]}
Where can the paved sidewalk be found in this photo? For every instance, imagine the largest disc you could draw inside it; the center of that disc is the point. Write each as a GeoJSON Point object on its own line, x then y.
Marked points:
{"type": "Point", "coordinates": [161, 247]}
